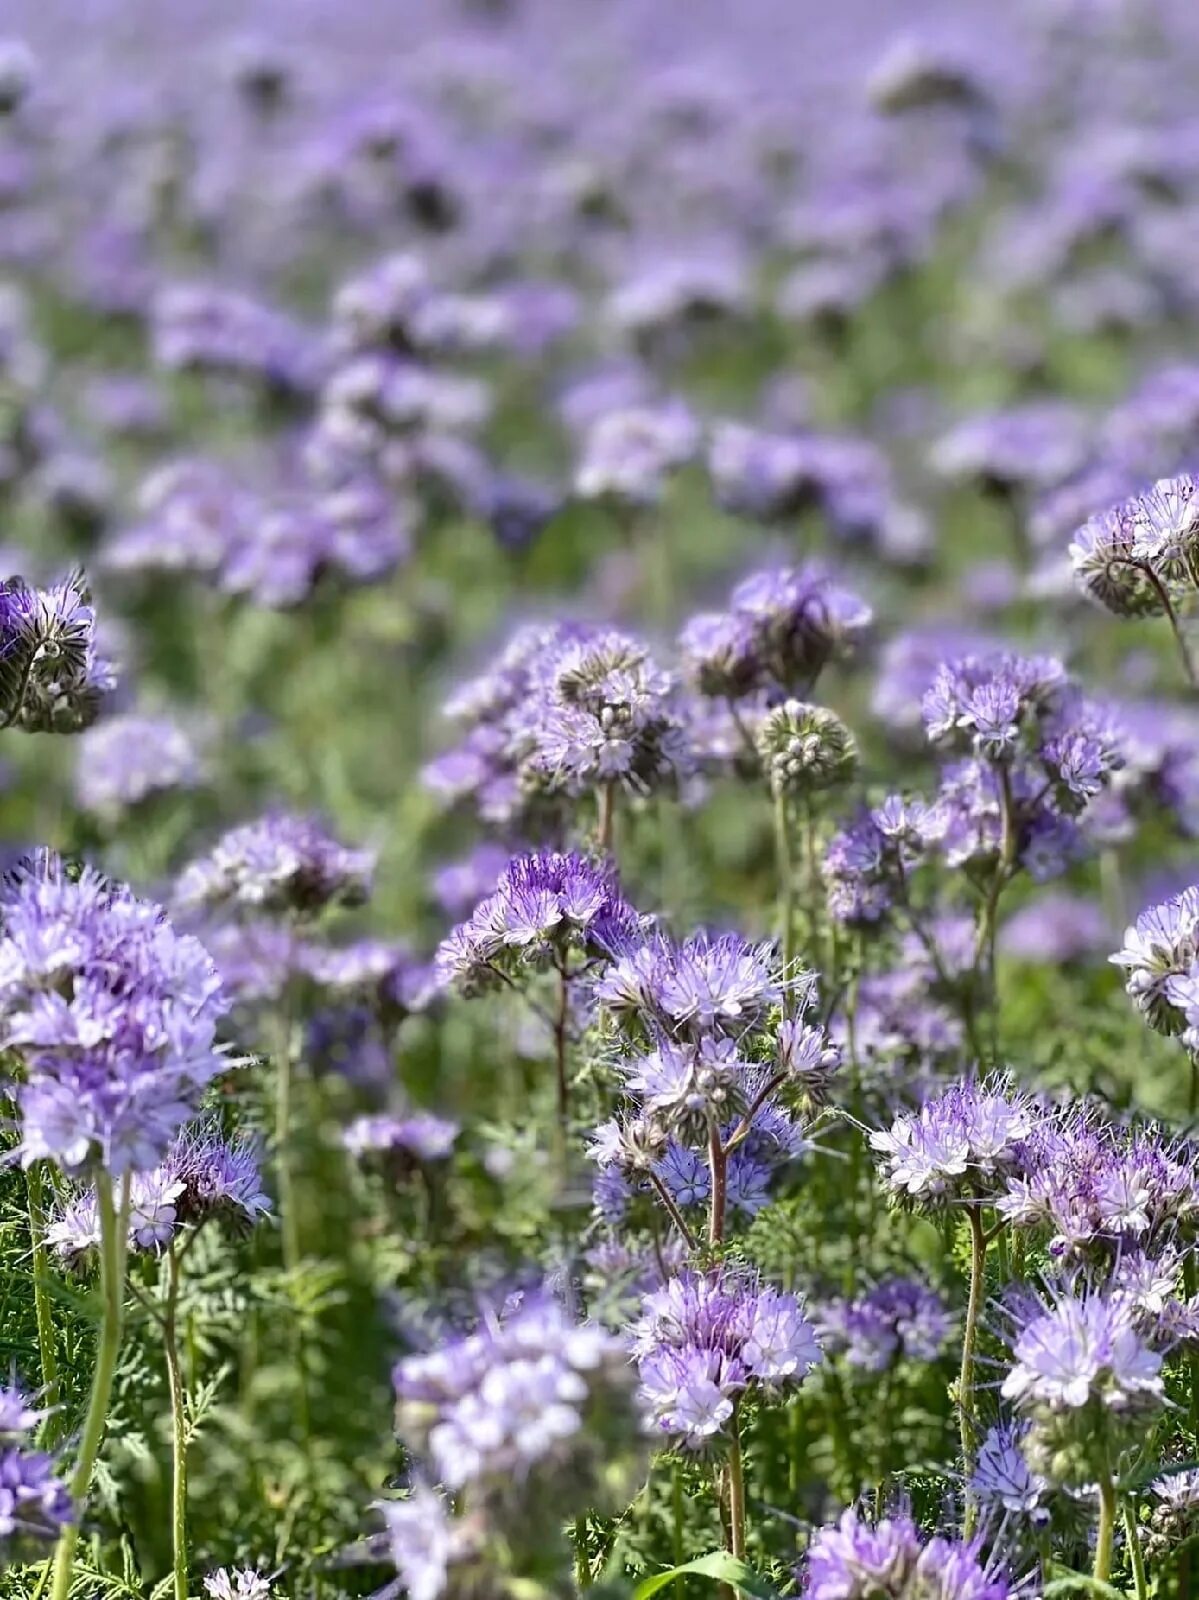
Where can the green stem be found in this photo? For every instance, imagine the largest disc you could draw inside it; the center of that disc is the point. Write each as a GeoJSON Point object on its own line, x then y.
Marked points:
{"type": "Point", "coordinates": [736, 1475]}
{"type": "Point", "coordinates": [36, 1195]}
{"type": "Point", "coordinates": [1136, 1556]}
{"type": "Point", "coordinates": [785, 871]}
{"type": "Point", "coordinates": [984, 948]}
{"type": "Point", "coordinates": [978, 1265]}
{"type": "Point", "coordinates": [677, 1513]}
{"type": "Point", "coordinates": [1189, 1287]}
{"type": "Point", "coordinates": [1107, 1524]}
{"type": "Point", "coordinates": [178, 1427]}
{"type": "Point", "coordinates": [606, 803]}
{"type": "Point", "coordinates": [561, 1019]}
{"type": "Point", "coordinates": [582, 1564]}
{"type": "Point", "coordinates": [289, 1221]}
{"type": "Point", "coordinates": [114, 1242]}
{"type": "Point", "coordinates": [718, 1170]}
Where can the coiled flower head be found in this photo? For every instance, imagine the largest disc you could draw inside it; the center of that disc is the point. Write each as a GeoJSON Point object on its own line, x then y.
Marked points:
{"type": "Point", "coordinates": [806, 750]}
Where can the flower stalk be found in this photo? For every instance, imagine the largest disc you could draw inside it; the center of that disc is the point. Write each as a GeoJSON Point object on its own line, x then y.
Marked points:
{"type": "Point", "coordinates": [114, 1245]}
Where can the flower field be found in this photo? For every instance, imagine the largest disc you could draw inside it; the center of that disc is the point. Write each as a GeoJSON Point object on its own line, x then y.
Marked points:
{"type": "Point", "coordinates": [599, 912]}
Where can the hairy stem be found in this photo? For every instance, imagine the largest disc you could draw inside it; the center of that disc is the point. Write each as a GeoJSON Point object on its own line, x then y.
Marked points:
{"type": "Point", "coordinates": [178, 1427]}
{"type": "Point", "coordinates": [1107, 1524]}
{"type": "Point", "coordinates": [718, 1168]}
{"type": "Point", "coordinates": [36, 1197]}
{"type": "Point", "coordinates": [114, 1241]}
{"type": "Point", "coordinates": [966, 1422]}
{"type": "Point", "coordinates": [676, 1216]}
{"type": "Point", "coordinates": [736, 1479]}
{"type": "Point", "coordinates": [561, 1017]}
{"type": "Point", "coordinates": [785, 872]}
{"type": "Point", "coordinates": [289, 1221]}
{"type": "Point", "coordinates": [606, 804]}
{"type": "Point", "coordinates": [1136, 1555]}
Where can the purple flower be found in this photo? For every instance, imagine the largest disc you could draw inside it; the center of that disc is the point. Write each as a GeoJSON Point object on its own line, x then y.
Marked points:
{"type": "Point", "coordinates": [1080, 1348]}
{"type": "Point", "coordinates": [959, 1145]}
{"type": "Point", "coordinates": [1055, 928]}
{"type": "Point", "coordinates": [857, 1560]}
{"type": "Point", "coordinates": [547, 907]}
{"type": "Point", "coordinates": [113, 1014]}
{"type": "Point", "coordinates": [421, 1134]}
{"type": "Point", "coordinates": [424, 1541]}
{"type": "Point", "coordinates": [899, 1317]}
{"type": "Point", "coordinates": [708, 983]}
{"type": "Point", "coordinates": [1092, 1184]}
{"type": "Point", "coordinates": [1160, 953]}
{"type": "Point", "coordinates": [1035, 446]}
{"type": "Point", "coordinates": [628, 455]}
{"type": "Point", "coordinates": [1002, 1477]}
{"type": "Point", "coordinates": [517, 1396]}
{"type": "Point", "coordinates": [801, 619]}
{"type": "Point", "coordinates": [34, 1503]}
{"type": "Point", "coordinates": [193, 515]}
{"type": "Point", "coordinates": [52, 677]}
{"type": "Point", "coordinates": [1107, 568]}
{"type": "Point", "coordinates": [703, 1339]}
{"type": "Point", "coordinates": [217, 1177]}
{"type": "Point", "coordinates": [602, 712]}
{"type": "Point", "coordinates": [278, 863]}
{"type": "Point", "coordinates": [205, 329]}
{"type": "Point", "coordinates": [354, 533]}
{"type": "Point", "coordinates": [124, 760]}
{"type": "Point", "coordinates": [241, 1583]}
{"type": "Point", "coordinates": [1164, 522]}
{"type": "Point", "coordinates": [460, 885]}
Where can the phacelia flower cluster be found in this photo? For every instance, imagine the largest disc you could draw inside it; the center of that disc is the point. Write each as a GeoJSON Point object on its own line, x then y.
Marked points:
{"type": "Point", "coordinates": [53, 677]}
{"type": "Point", "coordinates": [898, 1319]}
{"type": "Point", "coordinates": [126, 760]}
{"type": "Point", "coordinates": [857, 1560]}
{"type": "Point", "coordinates": [705, 1339]}
{"type": "Point", "coordinates": [783, 626]}
{"type": "Point", "coordinates": [550, 911]}
{"type": "Point", "coordinates": [280, 863]}
{"type": "Point", "coordinates": [1141, 555]}
{"type": "Point", "coordinates": [111, 1014]}
{"type": "Point", "coordinates": [1160, 959]}
{"type": "Point", "coordinates": [959, 1146]}
{"type": "Point", "coordinates": [528, 1419]}
{"type": "Point", "coordinates": [203, 1177]}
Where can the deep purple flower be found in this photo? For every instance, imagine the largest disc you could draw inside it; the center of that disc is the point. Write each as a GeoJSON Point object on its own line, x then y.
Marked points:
{"type": "Point", "coordinates": [547, 908]}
